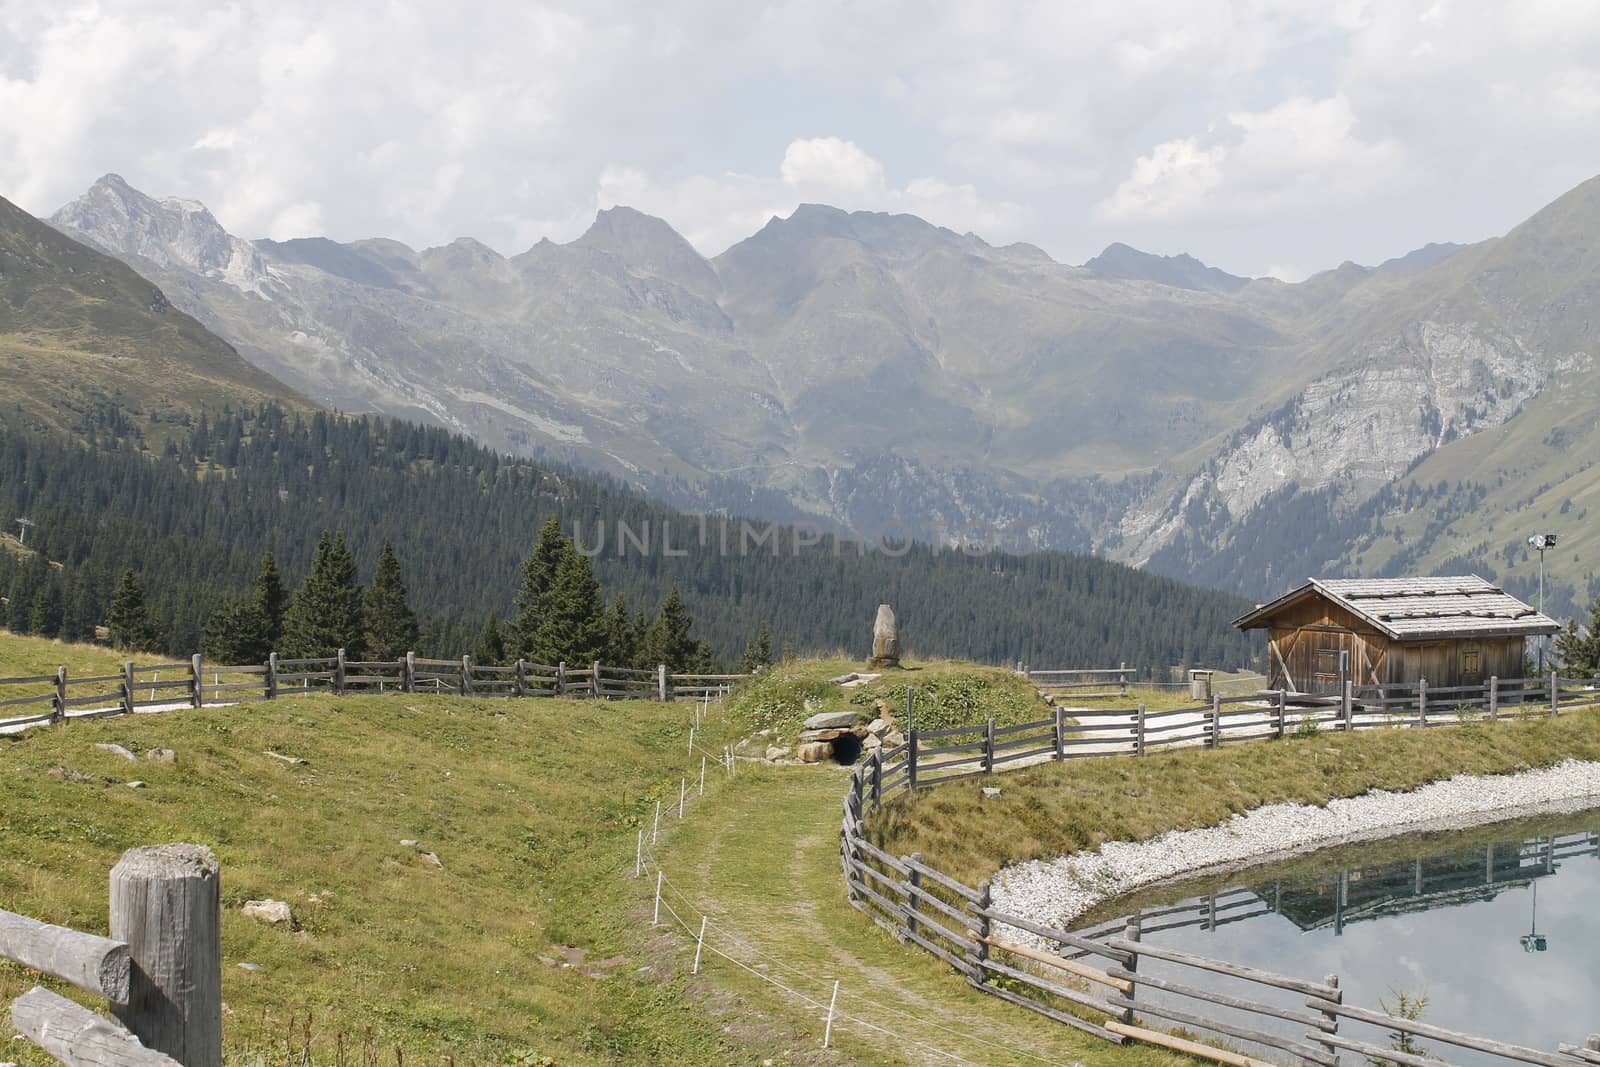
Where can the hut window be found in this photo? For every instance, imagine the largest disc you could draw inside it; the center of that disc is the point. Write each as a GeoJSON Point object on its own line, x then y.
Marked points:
{"type": "Point", "coordinates": [1470, 662]}
{"type": "Point", "coordinates": [1327, 661]}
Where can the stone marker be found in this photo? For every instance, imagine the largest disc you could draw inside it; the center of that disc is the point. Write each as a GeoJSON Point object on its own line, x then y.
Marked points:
{"type": "Point", "coordinates": [831, 720]}
{"type": "Point", "coordinates": [885, 639]}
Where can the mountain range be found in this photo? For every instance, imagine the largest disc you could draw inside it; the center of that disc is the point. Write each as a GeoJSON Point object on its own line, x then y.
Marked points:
{"type": "Point", "coordinates": [865, 369]}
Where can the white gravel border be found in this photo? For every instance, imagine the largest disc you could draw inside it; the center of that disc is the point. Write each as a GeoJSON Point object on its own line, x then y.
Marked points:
{"type": "Point", "coordinates": [1055, 892]}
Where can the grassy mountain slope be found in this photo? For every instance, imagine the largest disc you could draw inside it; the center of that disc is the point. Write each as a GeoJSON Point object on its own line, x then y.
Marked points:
{"type": "Point", "coordinates": [79, 329]}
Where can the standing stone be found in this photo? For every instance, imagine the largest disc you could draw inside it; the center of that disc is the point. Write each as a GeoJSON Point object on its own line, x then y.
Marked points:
{"type": "Point", "coordinates": [885, 639]}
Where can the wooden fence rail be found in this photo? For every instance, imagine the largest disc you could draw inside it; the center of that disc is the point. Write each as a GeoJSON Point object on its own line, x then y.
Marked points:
{"type": "Point", "coordinates": [160, 970]}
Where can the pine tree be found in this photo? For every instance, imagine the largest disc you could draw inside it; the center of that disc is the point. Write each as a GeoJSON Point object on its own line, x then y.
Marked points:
{"type": "Point", "coordinates": [236, 633]}
{"type": "Point", "coordinates": [325, 614]}
{"type": "Point", "coordinates": [668, 640]}
{"type": "Point", "coordinates": [272, 599]}
{"type": "Point", "coordinates": [490, 648]}
{"type": "Point", "coordinates": [538, 576]}
{"type": "Point", "coordinates": [1579, 653]}
{"type": "Point", "coordinates": [128, 619]}
{"type": "Point", "coordinates": [45, 618]}
{"type": "Point", "coordinates": [391, 624]}
{"type": "Point", "coordinates": [757, 651]}
{"type": "Point", "coordinates": [573, 628]}
{"type": "Point", "coordinates": [623, 634]}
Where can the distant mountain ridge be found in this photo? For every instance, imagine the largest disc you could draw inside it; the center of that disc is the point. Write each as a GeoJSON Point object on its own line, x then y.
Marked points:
{"type": "Point", "coordinates": [866, 368]}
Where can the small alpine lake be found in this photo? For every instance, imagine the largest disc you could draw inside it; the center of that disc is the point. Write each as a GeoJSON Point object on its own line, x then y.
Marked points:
{"type": "Point", "coordinates": [1497, 927]}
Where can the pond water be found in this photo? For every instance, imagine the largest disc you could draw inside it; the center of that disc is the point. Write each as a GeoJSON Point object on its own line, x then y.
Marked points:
{"type": "Point", "coordinates": [1498, 927]}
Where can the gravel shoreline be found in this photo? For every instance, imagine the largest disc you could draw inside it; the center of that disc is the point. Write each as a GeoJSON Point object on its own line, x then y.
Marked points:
{"type": "Point", "coordinates": [1055, 892]}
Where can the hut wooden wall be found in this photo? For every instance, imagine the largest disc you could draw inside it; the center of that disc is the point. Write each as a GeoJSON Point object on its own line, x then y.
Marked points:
{"type": "Point", "coordinates": [1449, 662]}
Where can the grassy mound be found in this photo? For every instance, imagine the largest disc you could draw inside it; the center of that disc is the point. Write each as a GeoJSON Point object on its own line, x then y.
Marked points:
{"type": "Point", "coordinates": [1056, 809]}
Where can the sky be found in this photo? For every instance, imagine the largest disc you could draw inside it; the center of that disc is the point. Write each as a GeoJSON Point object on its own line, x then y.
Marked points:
{"type": "Point", "coordinates": [1264, 137]}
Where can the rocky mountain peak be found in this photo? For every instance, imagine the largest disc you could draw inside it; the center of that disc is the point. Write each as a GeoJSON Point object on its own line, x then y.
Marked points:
{"type": "Point", "coordinates": [1181, 271]}
{"type": "Point", "coordinates": [648, 246]}
{"type": "Point", "coordinates": [171, 233]}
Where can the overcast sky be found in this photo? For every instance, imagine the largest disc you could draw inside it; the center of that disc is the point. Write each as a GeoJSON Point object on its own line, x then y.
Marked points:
{"type": "Point", "coordinates": [1263, 137]}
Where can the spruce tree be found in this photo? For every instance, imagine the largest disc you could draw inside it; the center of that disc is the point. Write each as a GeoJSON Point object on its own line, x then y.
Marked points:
{"type": "Point", "coordinates": [325, 614]}
{"type": "Point", "coordinates": [272, 599]}
{"type": "Point", "coordinates": [573, 627]}
{"type": "Point", "coordinates": [391, 624]}
{"type": "Point", "coordinates": [538, 576]}
{"type": "Point", "coordinates": [128, 619]}
{"type": "Point", "coordinates": [45, 618]}
{"type": "Point", "coordinates": [668, 640]}
{"type": "Point", "coordinates": [490, 648]}
{"type": "Point", "coordinates": [623, 639]}
{"type": "Point", "coordinates": [757, 651]}
{"type": "Point", "coordinates": [236, 633]}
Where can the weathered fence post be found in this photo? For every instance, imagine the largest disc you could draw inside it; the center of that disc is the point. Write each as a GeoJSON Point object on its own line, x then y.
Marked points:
{"type": "Point", "coordinates": [661, 682]}
{"type": "Point", "coordinates": [985, 926]}
{"type": "Point", "coordinates": [594, 679]}
{"type": "Point", "coordinates": [338, 671]}
{"type": "Point", "coordinates": [1282, 709]}
{"type": "Point", "coordinates": [911, 760]}
{"type": "Point", "coordinates": [1059, 735]}
{"type": "Point", "coordinates": [1122, 676]}
{"type": "Point", "coordinates": [1330, 1019]}
{"type": "Point", "coordinates": [877, 778]}
{"type": "Point", "coordinates": [914, 894]}
{"type": "Point", "coordinates": [466, 676]}
{"type": "Point", "coordinates": [408, 673]}
{"type": "Point", "coordinates": [1131, 933]}
{"type": "Point", "coordinates": [166, 904]}
{"type": "Point", "coordinates": [1216, 720]}
{"type": "Point", "coordinates": [1555, 693]}
{"type": "Point", "coordinates": [1138, 736]}
{"type": "Point", "coordinates": [988, 747]}
{"type": "Point", "coordinates": [127, 687]}
{"type": "Point", "coordinates": [197, 682]}
{"type": "Point", "coordinates": [1422, 702]}
{"type": "Point", "coordinates": [61, 694]}
{"type": "Point", "coordinates": [1347, 700]}
{"type": "Point", "coordinates": [271, 688]}
{"type": "Point", "coordinates": [561, 678]}
{"type": "Point", "coordinates": [1494, 697]}
{"type": "Point", "coordinates": [520, 685]}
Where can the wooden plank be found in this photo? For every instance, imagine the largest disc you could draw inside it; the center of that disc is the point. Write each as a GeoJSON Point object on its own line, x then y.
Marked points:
{"type": "Point", "coordinates": [1098, 948]}
{"type": "Point", "coordinates": [940, 878]}
{"type": "Point", "coordinates": [1212, 997]}
{"type": "Point", "coordinates": [1378, 1052]}
{"type": "Point", "coordinates": [1241, 1033]}
{"type": "Point", "coordinates": [1439, 1033]}
{"type": "Point", "coordinates": [1044, 985]}
{"type": "Point", "coordinates": [1235, 970]}
{"type": "Point", "coordinates": [1588, 1055]}
{"type": "Point", "coordinates": [17, 702]}
{"type": "Point", "coordinates": [96, 964]}
{"type": "Point", "coordinates": [1082, 970]}
{"type": "Point", "coordinates": [1051, 1013]}
{"type": "Point", "coordinates": [77, 1036]}
{"type": "Point", "coordinates": [32, 679]}
{"type": "Point", "coordinates": [29, 720]}
{"type": "Point", "coordinates": [1188, 1048]}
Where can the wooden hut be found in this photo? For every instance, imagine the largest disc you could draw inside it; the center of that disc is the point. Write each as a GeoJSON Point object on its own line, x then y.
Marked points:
{"type": "Point", "coordinates": [1451, 631]}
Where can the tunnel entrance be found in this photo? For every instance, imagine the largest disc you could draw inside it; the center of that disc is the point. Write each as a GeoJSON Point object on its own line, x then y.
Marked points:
{"type": "Point", "coordinates": [846, 749]}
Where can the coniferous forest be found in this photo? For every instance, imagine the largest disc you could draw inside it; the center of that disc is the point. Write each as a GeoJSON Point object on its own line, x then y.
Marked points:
{"type": "Point", "coordinates": [419, 533]}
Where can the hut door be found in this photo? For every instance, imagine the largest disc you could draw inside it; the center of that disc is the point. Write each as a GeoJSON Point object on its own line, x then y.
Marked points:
{"type": "Point", "coordinates": [1325, 670]}
{"type": "Point", "coordinates": [1470, 665]}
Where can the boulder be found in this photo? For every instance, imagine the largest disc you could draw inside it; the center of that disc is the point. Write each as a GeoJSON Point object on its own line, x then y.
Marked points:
{"type": "Point", "coordinates": [879, 727]}
{"type": "Point", "coordinates": [67, 774]}
{"type": "Point", "coordinates": [815, 752]}
{"type": "Point", "coordinates": [136, 785]}
{"type": "Point", "coordinates": [885, 638]}
{"type": "Point", "coordinates": [872, 741]}
{"type": "Point", "coordinates": [116, 750]}
{"type": "Point", "coordinates": [990, 792]}
{"type": "Point", "coordinates": [775, 753]}
{"type": "Point", "coordinates": [162, 755]}
{"type": "Point", "coordinates": [894, 738]}
{"type": "Point", "coordinates": [269, 911]}
{"type": "Point", "coordinates": [433, 858]}
{"type": "Point", "coordinates": [409, 842]}
{"type": "Point", "coordinates": [820, 735]}
{"type": "Point", "coordinates": [831, 720]}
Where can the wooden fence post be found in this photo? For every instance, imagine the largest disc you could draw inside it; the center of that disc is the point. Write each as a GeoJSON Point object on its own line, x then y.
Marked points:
{"type": "Point", "coordinates": [1216, 720]}
{"type": "Point", "coordinates": [197, 684]}
{"type": "Point", "coordinates": [1555, 693]}
{"type": "Point", "coordinates": [988, 747]}
{"type": "Point", "coordinates": [1331, 1019]}
{"type": "Point", "coordinates": [661, 681]}
{"type": "Point", "coordinates": [594, 678]}
{"type": "Point", "coordinates": [985, 927]}
{"type": "Point", "coordinates": [61, 694]}
{"type": "Point", "coordinates": [1122, 676]}
{"type": "Point", "coordinates": [1282, 712]}
{"type": "Point", "coordinates": [911, 760]}
{"type": "Point", "coordinates": [1494, 697]}
{"type": "Point", "coordinates": [1060, 737]}
{"type": "Point", "coordinates": [1131, 933]}
{"type": "Point", "coordinates": [561, 678]}
{"type": "Point", "coordinates": [877, 778]}
{"type": "Point", "coordinates": [166, 904]}
{"type": "Point", "coordinates": [1138, 737]}
{"type": "Point", "coordinates": [127, 687]}
{"type": "Point", "coordinates": [408, 673]}
{"type": "Point", "coordinates": [466, 676]}
{"type": "Point", "coordinates": [914, 894]}
{"type": "Point", "coordinates": [520, 685]}
{"type": "Point", "coordinates": [271, 689]}
{"type": "Point", "coordinates": [338, 671]}
{"type": "Point", "coordinates": [1347, 700]}
{"type": "Point", "coordinates": [1422, 702]}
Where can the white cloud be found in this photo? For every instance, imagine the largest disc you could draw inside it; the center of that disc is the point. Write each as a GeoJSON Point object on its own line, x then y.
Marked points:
{"type": "Point", "coordinates": [713, 212]}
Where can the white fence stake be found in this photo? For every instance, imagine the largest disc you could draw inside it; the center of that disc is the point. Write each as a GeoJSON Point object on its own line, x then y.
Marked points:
{"type": "Point", "coordinates": [638, 857]}
{"type": "Point", "coordinates": [683, 794]}
{"type": "Point", "coordinates": [827, 1033]}
{"type": "Point", "coordinates": [698, 945]}
{"type": "Point", "coordinates": [691, 742]}
{"type": "Point", "coordinates": [655, 920]}
{"type": "Point", "coordinates": [702, 776]}
{"type": "Point", "coordinates": [655, 831]}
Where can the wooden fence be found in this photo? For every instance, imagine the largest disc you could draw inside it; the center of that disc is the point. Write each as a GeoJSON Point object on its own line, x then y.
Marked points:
{"type": "Point", "coordinates": [1092, 979]}
{"type": "Point", "coordinates": [1082, 682]}
{"type": "Point", "coordinates": [195, 683]}
{"type": "Point", "coordinates": [160, 970]}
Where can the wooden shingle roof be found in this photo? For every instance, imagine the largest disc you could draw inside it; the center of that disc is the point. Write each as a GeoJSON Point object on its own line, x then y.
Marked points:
{"type": "Point", "coordinates": [1419, 609]}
